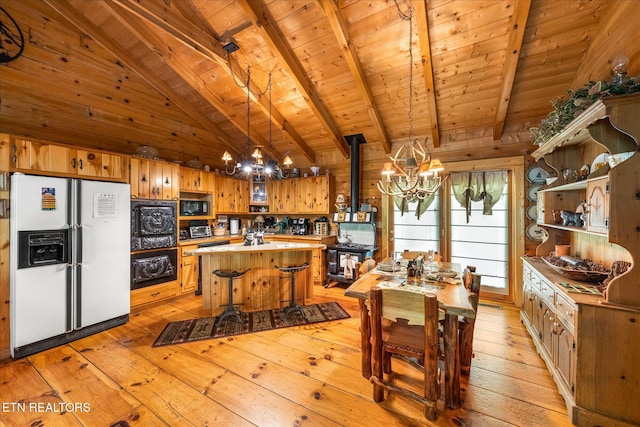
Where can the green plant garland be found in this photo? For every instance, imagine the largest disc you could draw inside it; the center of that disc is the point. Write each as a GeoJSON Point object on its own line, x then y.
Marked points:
{"type": "Point", "coordinates": [567, 109]}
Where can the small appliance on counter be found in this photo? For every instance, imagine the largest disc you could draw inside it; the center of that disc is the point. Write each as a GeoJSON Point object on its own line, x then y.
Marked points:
{"type": "Point", "coordinates": [199, 229]}
{"type": "Point", "coordinates": [301, 226]}
{"type": "Point", "coordinates": [321, 226]}
{"type": "Point", "coordinates": [234, 226]}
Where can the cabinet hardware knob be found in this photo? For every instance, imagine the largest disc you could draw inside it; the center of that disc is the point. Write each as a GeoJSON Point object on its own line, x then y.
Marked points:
{"type": "Point", "coordinates": [155, 294]}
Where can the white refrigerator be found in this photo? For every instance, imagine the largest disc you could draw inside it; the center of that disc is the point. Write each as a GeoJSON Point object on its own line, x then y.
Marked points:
{"type": "Point", "coordinates": [69, 258]}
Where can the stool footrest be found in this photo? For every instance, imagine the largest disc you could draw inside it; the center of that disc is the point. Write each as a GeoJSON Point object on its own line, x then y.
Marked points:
{"type": "Point", "coordinates": [293, 268]}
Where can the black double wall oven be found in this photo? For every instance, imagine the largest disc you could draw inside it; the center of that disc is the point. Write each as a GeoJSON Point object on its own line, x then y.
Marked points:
{"type": "Point", "coordinates": [154, 239]}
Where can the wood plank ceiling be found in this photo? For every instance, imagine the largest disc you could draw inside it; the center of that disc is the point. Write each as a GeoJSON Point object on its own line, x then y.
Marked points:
{"type": "Point", "coordinates": [118, 74]}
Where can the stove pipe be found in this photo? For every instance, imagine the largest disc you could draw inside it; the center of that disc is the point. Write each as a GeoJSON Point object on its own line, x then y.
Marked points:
{"type": "Point", "coordinates": [355, 141]}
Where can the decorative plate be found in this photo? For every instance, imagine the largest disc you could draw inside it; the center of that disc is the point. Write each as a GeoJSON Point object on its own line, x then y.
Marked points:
{"type": "Point", "coordinates": [535, 233]}
{"type": "Point", "coordinates": [532, 212]}
{"type": "Point", "coordinates": [532, 193]}
{"type": "Point", "coordinates": [599, 161]}
{"type": "Point", "coordinates": [537, 175]}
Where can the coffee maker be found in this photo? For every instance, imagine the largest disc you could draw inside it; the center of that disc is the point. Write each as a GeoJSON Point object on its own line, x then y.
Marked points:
{"type": "Point", "coordinates": [301, 226]}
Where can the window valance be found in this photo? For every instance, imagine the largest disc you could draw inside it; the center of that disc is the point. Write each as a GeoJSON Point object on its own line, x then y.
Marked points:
{"type": "Point", "coordinates": [487, 186]}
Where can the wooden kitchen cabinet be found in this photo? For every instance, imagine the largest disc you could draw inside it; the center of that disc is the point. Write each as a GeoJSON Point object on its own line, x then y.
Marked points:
{"type": "Point", "coordinates": [313, 195]}
{"type": "Point", "coordinates": [307, 195]}
{"type": "Point", "coordinates": [189, 270]}
{"type": "Point", "coordinates": [61, 160]}
{"type": "Point", "coordinates": [196, 180]}
{"type": "Point", "coordinates": [597, 214]}
{"type": "Point", "coordinates": [232, 195]}
{"type": "Point", "coordinates": [281, 196]}
{"type": "Point", "coordinates": [154, 179]}
{"type": "Point", "coordinates": [144, 297]}
{"type": "Point", "coordinates": [591, 343]}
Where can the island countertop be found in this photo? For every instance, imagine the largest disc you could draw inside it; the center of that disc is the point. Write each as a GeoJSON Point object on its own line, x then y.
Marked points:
{"type": "Point", "coordinates": [241, 248]}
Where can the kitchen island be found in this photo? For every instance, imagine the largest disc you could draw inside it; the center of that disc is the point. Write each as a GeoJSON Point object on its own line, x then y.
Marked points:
{"type": "Point", "coordinates": [263, 287]}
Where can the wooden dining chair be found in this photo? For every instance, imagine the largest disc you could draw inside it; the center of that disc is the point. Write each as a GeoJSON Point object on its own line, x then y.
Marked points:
{"type": "Point", "coordinates": [414, 255]}
{"type": "Point", "coordinates": [466, 326]}
{"type": "Point", "coordinates": [405, 324]}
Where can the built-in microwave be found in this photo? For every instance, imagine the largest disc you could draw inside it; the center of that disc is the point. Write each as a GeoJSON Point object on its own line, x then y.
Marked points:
{"type": "Point", "coordinates": [194, 207]}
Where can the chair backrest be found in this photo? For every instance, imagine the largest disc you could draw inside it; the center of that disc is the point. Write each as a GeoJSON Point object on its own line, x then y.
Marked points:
{"type": "Point", "coordinates": [466, 276]}
{"type": "Point", "coordinates": [476, 280]}
{"type": "Point", "coordinates": [415, 254]}
{"type": "Point", "coordinates": [394, 304]}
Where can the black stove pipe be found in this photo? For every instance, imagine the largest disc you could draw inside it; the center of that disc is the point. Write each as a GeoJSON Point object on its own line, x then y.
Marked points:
{"type": "Point", "coordinates": [355, 141]}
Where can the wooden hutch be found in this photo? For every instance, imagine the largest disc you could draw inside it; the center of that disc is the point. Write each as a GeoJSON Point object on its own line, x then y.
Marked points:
{"type": "Point", "coordinates": [591, 343]}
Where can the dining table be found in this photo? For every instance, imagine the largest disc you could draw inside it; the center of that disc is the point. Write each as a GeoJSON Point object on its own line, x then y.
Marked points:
{"type": "Point", "coordinates": [441, 278]}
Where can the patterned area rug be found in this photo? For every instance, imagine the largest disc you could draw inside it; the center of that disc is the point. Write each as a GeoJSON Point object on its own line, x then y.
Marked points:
{"type": "Point", "coordinates": [205, 328]}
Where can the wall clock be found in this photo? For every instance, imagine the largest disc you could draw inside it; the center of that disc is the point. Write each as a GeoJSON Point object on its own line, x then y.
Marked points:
{"type": "Point", "coordinates": [11, 38]}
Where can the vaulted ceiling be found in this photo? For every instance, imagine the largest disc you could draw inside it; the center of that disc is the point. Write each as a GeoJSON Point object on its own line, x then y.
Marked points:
{"type": "Point", "coordinates": [118, 74]}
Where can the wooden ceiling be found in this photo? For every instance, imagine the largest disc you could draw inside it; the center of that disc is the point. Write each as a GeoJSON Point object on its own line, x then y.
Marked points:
{"type": "Point", "coordinates": [118, 74]}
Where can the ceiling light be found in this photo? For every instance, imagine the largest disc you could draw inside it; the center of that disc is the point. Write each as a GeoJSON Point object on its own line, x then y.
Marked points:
{"type": "Point", "coordinates": [412, 173]}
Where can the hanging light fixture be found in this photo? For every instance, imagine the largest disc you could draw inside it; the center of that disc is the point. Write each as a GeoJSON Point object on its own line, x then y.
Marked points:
{"type": "Point", "coordinates": [412, 173]}
{"type": "Point", "coordinates": [255, 164]}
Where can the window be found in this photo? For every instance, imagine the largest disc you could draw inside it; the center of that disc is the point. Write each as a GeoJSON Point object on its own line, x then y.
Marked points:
{"type": "Point", "coordinates": [483, 242]}
{"type": "Point", "coordinates": [413, 234]}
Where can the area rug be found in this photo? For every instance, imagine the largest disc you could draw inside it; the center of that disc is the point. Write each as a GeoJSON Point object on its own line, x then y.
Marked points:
{"type": "Point", "coordinates": [205, 328]}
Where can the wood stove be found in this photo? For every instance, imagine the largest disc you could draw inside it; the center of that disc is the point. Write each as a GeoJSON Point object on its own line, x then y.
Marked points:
{"type": "Point", "coordinates": [153, 267]}
{"type": "Point", "coordinates": [154, 236]}
{"type": "Point", "coordinates": [341, 257]}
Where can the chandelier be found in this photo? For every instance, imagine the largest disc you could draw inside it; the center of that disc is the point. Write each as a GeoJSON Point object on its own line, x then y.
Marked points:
{"type": "Point", "coordinates": [255, 164]}
{"type": "Point", "coordinates": [412, 173]}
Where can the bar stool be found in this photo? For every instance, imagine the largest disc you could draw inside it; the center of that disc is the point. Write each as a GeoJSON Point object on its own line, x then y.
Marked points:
{"type": "Point", "coordinates": [292, 307]}
{"type": "Point", "coordinates": [231, 310]}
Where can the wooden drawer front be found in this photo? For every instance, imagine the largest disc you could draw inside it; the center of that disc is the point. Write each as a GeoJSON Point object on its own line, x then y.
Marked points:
{"type": "Point", "coordinates": [535, 282]}
{"type": "Point", "coordinates": [526, 272]}
{"type": "Point", "coordinates": [153, 293]}
{"type": "Point", "coordinates": [547, 291]}
{"type": "Point", "coordinates": [567, 310]}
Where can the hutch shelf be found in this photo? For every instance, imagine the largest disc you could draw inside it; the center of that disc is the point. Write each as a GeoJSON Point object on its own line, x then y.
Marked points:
{"type": "Point", "coordinates": [590, 341]}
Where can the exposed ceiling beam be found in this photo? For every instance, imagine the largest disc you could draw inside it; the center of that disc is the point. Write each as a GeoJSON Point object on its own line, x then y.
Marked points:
{"type": "Point", "coordinates": [87, 27]}
{"type": "Point", "coordinates": [210, 48]}
{"type": "Point", "coordinates": [177, 64]}
{"type": "Point", "coordinates": [514, 46]}
{"type": "Point", "coordinates": [341, 32]}
{"type": "Point", "coordinates": [427, 69]}
{"type": "Point", "coordinates": [279, 48]}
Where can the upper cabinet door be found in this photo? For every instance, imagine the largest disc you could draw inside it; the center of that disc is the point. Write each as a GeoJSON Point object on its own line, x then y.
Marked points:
{"type": "Point", "coordinates": [598, 205]}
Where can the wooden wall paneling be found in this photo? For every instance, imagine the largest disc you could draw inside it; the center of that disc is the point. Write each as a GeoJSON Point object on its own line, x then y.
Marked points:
{"type": "Point", "coordinates": [5, 156]}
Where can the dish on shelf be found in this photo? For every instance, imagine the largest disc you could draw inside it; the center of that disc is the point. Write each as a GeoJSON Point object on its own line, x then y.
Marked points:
{"type": "Point", "coordinates": [148, 152]}
{"type": "Point", "coordinates": [537, 175]}
{"type": "Point", "coordinates": [582, 173]}
{"type": "Point", "coordinates": [535, 233]}
{"type": "Point", "coordinates": [532, 212]}
{"type": "Point", "coordinates": [569, 272]}
{"type": "Point", "coordinates": [532, 192]}
{"type": "Point", "coordinates": [599, 161]}
{"type": "Point", "coordinates": [615, 159]}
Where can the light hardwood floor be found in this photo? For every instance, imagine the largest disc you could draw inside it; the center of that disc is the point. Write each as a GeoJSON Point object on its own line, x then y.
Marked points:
{"type": "Point", "coordinates": [289, 377]}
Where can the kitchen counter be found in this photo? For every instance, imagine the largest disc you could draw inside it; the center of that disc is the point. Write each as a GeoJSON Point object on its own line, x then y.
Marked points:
{"type": "Point", "coordinates": [241, 248]}
{"type": "Point", "coordinates": [267, 237]}
{"type": "Point", "coordinates": [263, 287]}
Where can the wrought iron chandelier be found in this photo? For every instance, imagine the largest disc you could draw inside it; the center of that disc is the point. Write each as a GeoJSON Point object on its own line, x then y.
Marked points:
{"type": "Point", "coordinates": [256, 164]}
{"type": "Point", "coordinates": [412, 173]}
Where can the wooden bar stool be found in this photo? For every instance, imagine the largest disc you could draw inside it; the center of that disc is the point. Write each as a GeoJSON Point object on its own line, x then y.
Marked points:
{"type": "Point", "coordinates": [292, 307]}
{"type": "Point", "coordinates": [231, 310]}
